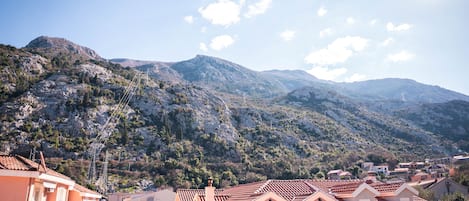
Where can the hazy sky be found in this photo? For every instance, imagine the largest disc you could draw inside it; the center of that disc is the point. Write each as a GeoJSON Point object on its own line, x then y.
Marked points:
{"type": "Point", "coordinates": [340, 40]}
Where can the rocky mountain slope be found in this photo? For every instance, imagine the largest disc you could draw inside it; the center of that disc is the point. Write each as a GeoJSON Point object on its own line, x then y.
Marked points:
{"type": "Point", "coordinates": [201, 117]}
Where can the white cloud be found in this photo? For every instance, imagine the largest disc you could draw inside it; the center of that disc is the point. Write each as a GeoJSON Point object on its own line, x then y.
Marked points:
{"type": "Point", "coordinates": [325, 32]}
{"type": "Point", "coordinates": [325, 73]}
{"type": "Point", "coordinates": [373, 22]}
{"type": "Point", "coordinates": [189, 19]}
{"type": "Point", "coordinates": [402, 27]}
{"type": "Point", "coordinates": [203, 47]}
{"type": "Point", "coordinates": [258, 8]}
{"type": "Point", "coordinates": [221, 42]}
{"type": "Point", "coordinates": [350, 20]}
{"type": "Point", "coordinates": [288, 35]}
{"type": "Point", "coordinates": [322, 11]}
{"type": "Point", "coordinates": [387, 41]}
{"type": "Point", "coordinates": [355, 78]}
{"type": "Point", "coordinates": [203, 29]}
{"type": "Point", "coordinates": [222, 12]}
{"type": "Point", "coordinates": [338, 51]}
{"type": "Point", "coordinates": [401, 56]}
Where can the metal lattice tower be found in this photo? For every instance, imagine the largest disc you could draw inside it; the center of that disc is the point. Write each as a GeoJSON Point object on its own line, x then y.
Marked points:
{"type": "Point", "coordinates": [104, 132]}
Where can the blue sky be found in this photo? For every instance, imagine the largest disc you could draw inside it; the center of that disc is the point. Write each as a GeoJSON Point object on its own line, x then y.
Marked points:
{"type": "Point", "coordinates": [340, 40]}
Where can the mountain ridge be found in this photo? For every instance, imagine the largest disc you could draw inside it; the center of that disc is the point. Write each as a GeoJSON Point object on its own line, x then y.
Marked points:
{"type": "Point", "coordinates": [176, 131]}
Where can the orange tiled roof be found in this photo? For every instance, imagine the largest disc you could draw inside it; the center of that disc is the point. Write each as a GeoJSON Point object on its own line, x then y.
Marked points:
{"type": "Point", "coordinates": [347, 188]}
{"type": "Point", "coordinates": [325, 185]}
{"type": "Point", "coordinates": [217, 197]}
{"type": "Point", "coordinates": [244, 191]}
{"type": "Point", "coordinates": [83, 189]}
{"type": "Point", "coordinates": [189, 194]}
{"type": "Point", "coordinates": [15, 163]}
{"type": "Point", "coordinates": [386, 187]}
{"type": "Point", "coordinates": [20, 163]}
{"type": "Point", "coordinates": [288, 189]}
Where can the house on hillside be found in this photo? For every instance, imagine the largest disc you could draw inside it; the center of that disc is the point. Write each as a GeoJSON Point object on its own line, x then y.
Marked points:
{"type": "Point", "coordinates": [23, 179]}
{"type": "Point", "coordinates": [339, 175]}
{"type": "Point", "coordinates": [400, 173]}
{"type": "Point", "coordinates": [305, 190]}
{"type": "Point", "coordinates": [442, 186]}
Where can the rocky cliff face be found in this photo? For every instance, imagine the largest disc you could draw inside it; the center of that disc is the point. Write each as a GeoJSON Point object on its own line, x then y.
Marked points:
{"type": "Point", "coordinates": [202, 117]}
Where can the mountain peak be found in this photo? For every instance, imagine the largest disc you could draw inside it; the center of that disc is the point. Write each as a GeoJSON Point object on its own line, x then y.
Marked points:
{"type": "Point", "coordinates": [52, 46]}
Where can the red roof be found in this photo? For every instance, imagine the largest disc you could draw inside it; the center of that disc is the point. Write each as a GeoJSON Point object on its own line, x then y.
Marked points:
{"type": "Point", "coordinates": [347, 188]}
{"type": "Point", "coordinates": [189, 194]}
{"type": "Point", "coordinates": [244, 191]}
{"type": "Point", "coordinates": [17, 163]}
{"type": "Point", "coordinates": [23, 164]}
{"type": "Point", "coordinates": [386, 187]}
{"type": "Point", "coordinates": [217, 197]}
{"type": "Point", "coordinates": [83, 189]}
{"type": "Point", "coordinates": [288, 189]}
{"type": "Point", "coordinates": [325, 185]}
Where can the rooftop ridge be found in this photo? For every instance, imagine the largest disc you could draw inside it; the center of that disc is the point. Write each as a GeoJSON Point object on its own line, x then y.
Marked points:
{"type": "Point", "coordinates": [263, 186]}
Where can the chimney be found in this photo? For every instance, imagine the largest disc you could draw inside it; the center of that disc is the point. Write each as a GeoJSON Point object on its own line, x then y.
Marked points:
{"type": "Point", "coordinates": [210, 191]}
{"type": "Point", "coordinates": [371, 177]}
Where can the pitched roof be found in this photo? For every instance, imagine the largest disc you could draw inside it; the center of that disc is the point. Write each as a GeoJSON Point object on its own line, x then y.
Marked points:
{"type": "Point", "coordinates": [189, 194]}
{"type": "Point", "coordinates": [20, 163]}
{"type": "Point", "coordinates": [347, 188]}
{"type": "Point", "coordinates": [16, 163]}
{"type": "Point", "coordinates": [293, 190]}
{"type": "Point", "coordinates": [325, 185]}
{"type": "Point", "coordinates": [83, 189]}
{"type": "Point", "coordinates": [387, 187]}
{"type": "Point", "coordinates": [288, 189]}
{"type": "Point", "coordinates": [217, 197]}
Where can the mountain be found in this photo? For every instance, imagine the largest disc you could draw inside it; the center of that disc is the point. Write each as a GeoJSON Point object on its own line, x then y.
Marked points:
{"type": "Point", "coordinates": [203, 117]}
{"type": "Point", "coordinates": [404, 90]}
{"type": "Point", "coordinates": [226, 76]}
{"type": "Point", "coordinates": [293, 79]}
{"type": "Point", "coordinates": [449, 120]}
{"type": "Point", "coordinates": [54, 47]}
{"type": "Point", "coordinates": [155, 69]}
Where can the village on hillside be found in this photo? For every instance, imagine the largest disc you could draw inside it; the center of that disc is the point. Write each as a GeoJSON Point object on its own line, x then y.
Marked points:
{"type": "Point", "coordinates": [24, 179]}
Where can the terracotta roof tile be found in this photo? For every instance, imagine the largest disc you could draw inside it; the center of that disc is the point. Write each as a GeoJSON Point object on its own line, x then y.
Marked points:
{"type": "Point", "coordinates": [23, 164]}
{"type": "Point", "coordinates": [325, 185]}
{"type": "Point", "coordinates": [189, 194]}
{"type": "Point", "coordinates": [217, 197]}
{"type": "Point", "coordinates": [14, 163]}
{"type": "Point", "coordinates": [83, 189]}
{"type": "Point", "coordinates": [347, 188]}
{"type": "Point", "coordinates": [287, 189]}
{"type": "Point", "coordinates": [386, 187]}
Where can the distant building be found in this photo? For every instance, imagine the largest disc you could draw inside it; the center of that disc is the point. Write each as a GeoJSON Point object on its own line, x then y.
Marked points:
{"type": "Point", "coordinates": [339, 175]}
{"type": "Point", "coordinates": [23, 179]}
{"type": "Point", "coordinates": [441, 187]}
{"type": "Point", "coordinates": [381, 169]}
{"type": "Point", "coordinates": [401, 173]}
{"type": "Point", "coordinates": [412, 165]}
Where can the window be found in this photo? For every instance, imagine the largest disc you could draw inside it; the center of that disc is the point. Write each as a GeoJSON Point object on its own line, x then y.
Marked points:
{"type": "Point", "coordinates": [61, 194]}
